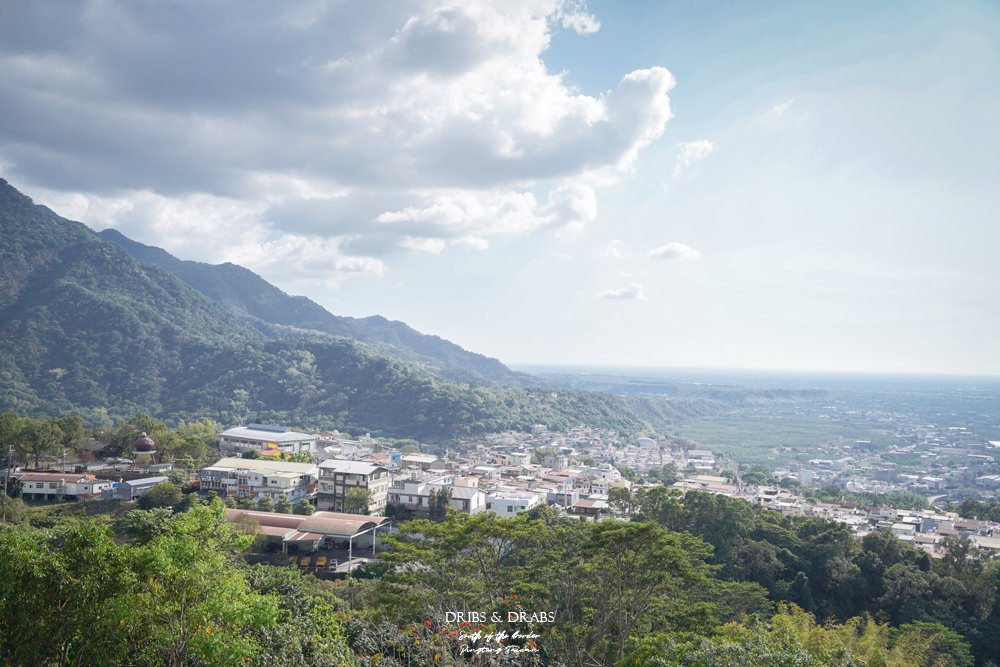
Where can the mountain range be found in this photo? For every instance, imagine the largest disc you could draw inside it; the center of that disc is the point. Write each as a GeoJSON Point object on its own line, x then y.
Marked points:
{"type": "Point", "coordinates": [275, 313]}
{"type": "Point", "coordinates": [103, 326]}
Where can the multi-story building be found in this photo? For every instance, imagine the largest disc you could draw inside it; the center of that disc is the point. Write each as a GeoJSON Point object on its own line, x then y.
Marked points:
{"type": "Point", "coordinates": [415, 495]}
{"type": "Point", "coordinates": [256, 478]}
{"type": "Point", "coordinates": [337, 477]}
{"type": "Point", "coordinates": [262, 436]}
{"type": "Point", "coordinates": [422, 461]}
{"type": "Point", "coordinates": [468, 499]}
{"type": "Point", "coordinates": [510, 503]}
{"type": "Point", "coordinates": [563, 498]}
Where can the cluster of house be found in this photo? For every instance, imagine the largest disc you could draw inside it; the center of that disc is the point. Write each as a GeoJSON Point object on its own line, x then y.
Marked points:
{"type": "Point", "coordinates": [492, 478]}
{"type": "Point", "coordinates": [80, 486]}
{"type": "Point", "coordinates": [923, 529]}
{"type": "Point", "coordinates": [506, 474]}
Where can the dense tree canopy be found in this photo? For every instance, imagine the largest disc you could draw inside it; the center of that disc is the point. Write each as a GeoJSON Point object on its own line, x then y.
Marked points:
{"type": "Point", "coordinates": [692, 580]}
{"type": "Point", "coordinates": [175, 595]}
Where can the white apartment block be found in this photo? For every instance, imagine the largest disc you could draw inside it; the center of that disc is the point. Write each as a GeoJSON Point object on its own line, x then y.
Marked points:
{"type": "Point", "coordinates": [255, 478]}
{"type": "Point", "coordinates": [511, 503]}
{"type": "Point", "coordinates": [262, 436]}
{"type": "Point", "coordinates": [337, 477]}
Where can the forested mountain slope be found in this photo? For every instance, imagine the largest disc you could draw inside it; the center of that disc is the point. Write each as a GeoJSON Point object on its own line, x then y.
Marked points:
{"type": "Point", "coordinates": [85, 329]}
{"type": "Point", "coordinates": [274, 312]}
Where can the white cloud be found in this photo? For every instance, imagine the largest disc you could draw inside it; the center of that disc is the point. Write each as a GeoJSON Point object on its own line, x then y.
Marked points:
{"type": "Point", "coordinates": [215, 229]}
{"type": "Point", "coordinates": [418, 124]}
{"type": "Point", "coordinates": [571, 205]}
{"type": "Point", "coordinates": [423, 244]}
{"type": "Point", "coordinates": [575, 17]}
{"type": "Point", "coordinates": [615, 250]}
{"type": "Point", "coordinates": [781, 114]}
{"type": "Point", "coordinates": [633, 291]}
{"type": "Point", "coordinates": [780, 108]}
{"type": "Point", "coordinates": [692, 152]}
{"type": "Point", "coordinates": [674, 251]}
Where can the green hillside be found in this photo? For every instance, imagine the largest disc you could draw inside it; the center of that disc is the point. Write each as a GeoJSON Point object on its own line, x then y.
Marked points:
{"type": "Point", "coordinates": [85, 329]}
{"type": "Point", "coordinates": [274, 312]}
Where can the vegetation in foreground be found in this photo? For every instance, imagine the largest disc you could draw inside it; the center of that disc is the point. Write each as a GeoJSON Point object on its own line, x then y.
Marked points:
{"type": "Point", "coordinates": [693, 580]}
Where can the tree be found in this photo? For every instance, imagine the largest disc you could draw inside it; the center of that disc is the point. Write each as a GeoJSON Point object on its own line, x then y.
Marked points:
{"type": "Point", "coordinates": [719, 520]}
{"type": "Point", "coordinates": [631, 474]}
{"type": "Point", "coordinates": [145, 525]}
{"type": "Point", "coordinates": [791, 484]}
{"type": "Point", "coordinates": [438, 503]}
{"type": "Point", "coordinates": [187, 501]}
{"type": "Point", "coordinates": [127, 431]}
{"type": "Point", "coordinates": [34, 567]}
{"type": "Point", "coordinates": [164, 494]}
{"type": "Point", "coordinates": [931, 644]}
{"type": "Point", "coordinates": [304, 507]}
{"type": "Point", "coordinates": [659, 504]}
{"type": "Point", "coordinates": [265, 504]}
{"type": "Point", "coordinates": [72, 432]}
{"type": "Point", "coordinates": [174, 597]}
{"type": "Point", "coordinates": [758, 475]}
{"type": "Point", "coordinates": [961, 555]}
{"type": "Point", "coordinates": [396, 511]}
{"type": "Point", "coordinates": [284, 505]}
{"type": "Point", "coordinates": [200, 606]}
{"type": "Point", "coordinates": [621, 501]}
{"type": "Point", "coordinates": [10, 429]}
{"type": "Point", "coordinates": [306, 633]}
{"type": "Point", "coordinates": [667, 473]}
{"type": "Point", "coordinates": [636, 568]}
{"type": "Point", "coordinates": [357, 501]}
{"type": "Point", "coordinates": [38, 437]}
{"type": "Point", "coordinates": [467, 562]}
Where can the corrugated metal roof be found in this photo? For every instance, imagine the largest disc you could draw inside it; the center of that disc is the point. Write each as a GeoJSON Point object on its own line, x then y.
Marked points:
{"type": "Point", "coordinates": [351, 467]}
{"type": "Point", "coordinates": [271, 519]}
{"type": "Point", "coordinates": [334, 524]}
{"type": "Point", "coordinates": [340, 525]}
{"type": "Point", "coordinates": [262, 466]}
{"type": "Point", "coordinates": [258, 435]}
{"type": "Point", "coordinates": [299, 536]}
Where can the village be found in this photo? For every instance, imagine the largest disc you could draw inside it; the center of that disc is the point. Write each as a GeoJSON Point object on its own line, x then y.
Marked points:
{"type": "Point", "coordinates": [322, 500]}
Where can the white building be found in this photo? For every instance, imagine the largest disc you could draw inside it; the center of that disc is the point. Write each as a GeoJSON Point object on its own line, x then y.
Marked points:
{"type": "Point", "coordinates": [556, 462]}
{"type": "Point", "coordinates": [256, 478]}
{"type": "Point", "coordinates": [415, 495]}
{"type": "Point", "coordinates": [512, 458]}
{"type": "Point", "coordinates": [468, 499]}
{"type": "Point", "coordinates": [262, 436]}
{"type": "Point", "coordinates": [53, 486]}
{"type": "Point", "coordinates": [422, 461]}
{"type": "Point", "coordinates": [510, 503]}
{"type": "Point", "coordinates": [337, 477]}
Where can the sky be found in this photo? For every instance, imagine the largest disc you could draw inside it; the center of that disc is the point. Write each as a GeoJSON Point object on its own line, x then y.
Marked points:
{"type": "Point", "coordinates": [696, 183]}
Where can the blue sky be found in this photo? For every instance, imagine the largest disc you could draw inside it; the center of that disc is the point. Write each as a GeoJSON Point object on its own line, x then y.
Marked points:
{"type": "Point", "coordinates": [781, 185]}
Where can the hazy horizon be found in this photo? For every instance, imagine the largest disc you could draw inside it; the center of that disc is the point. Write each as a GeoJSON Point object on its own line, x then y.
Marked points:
{"type": "Point", "coordinates": [659, 372]}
